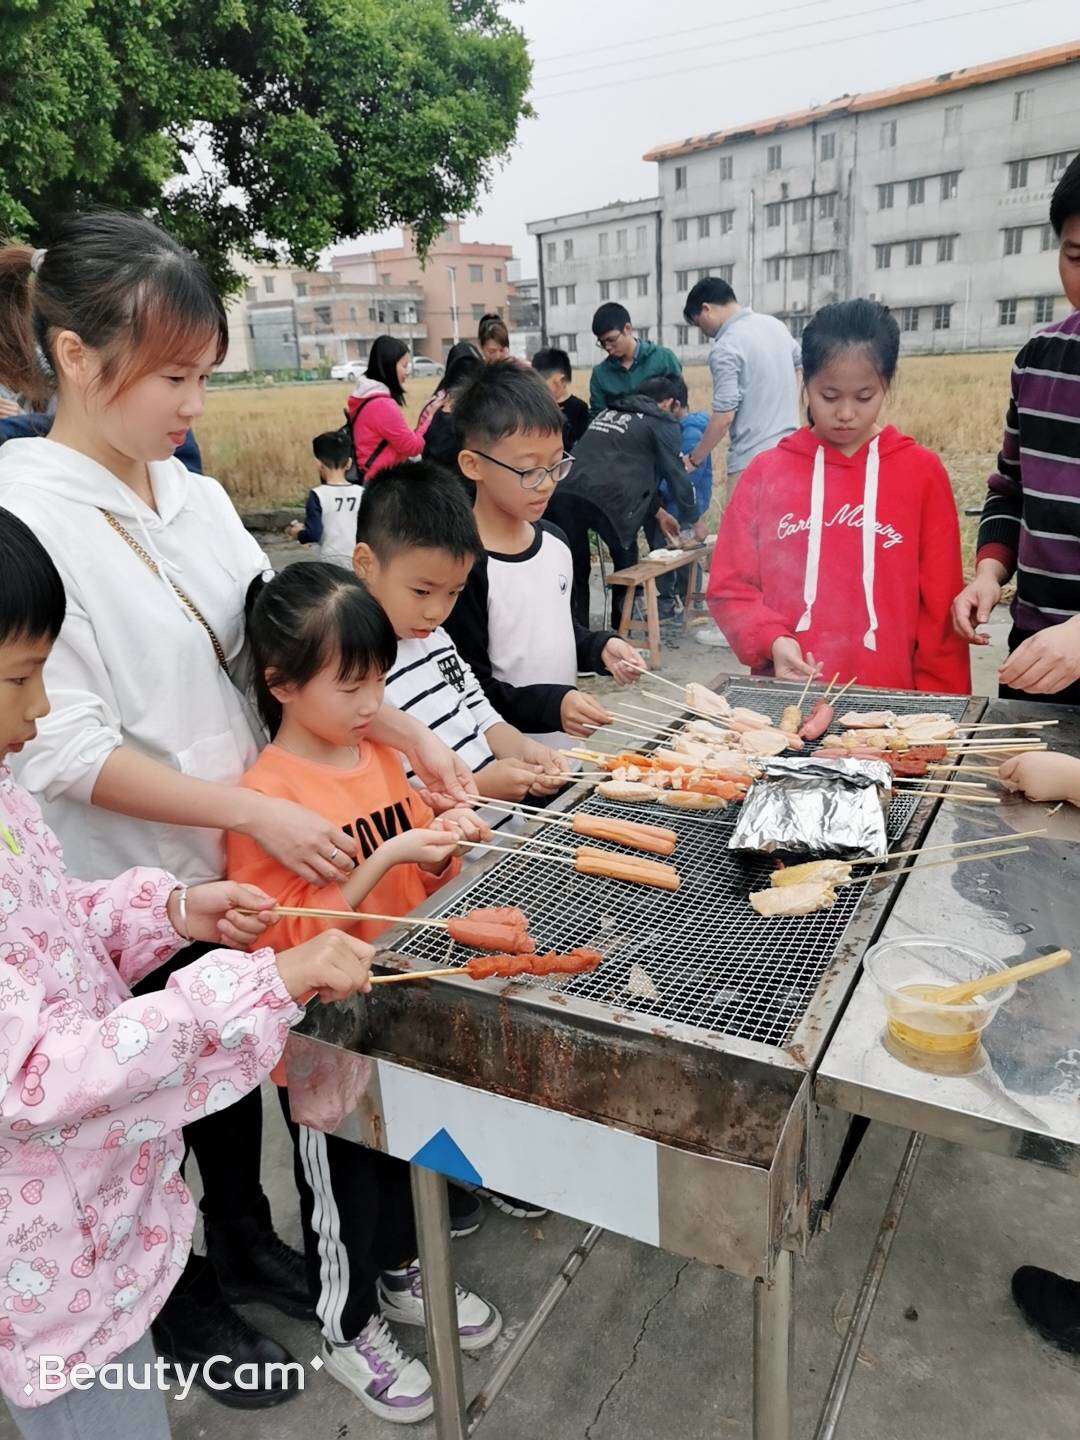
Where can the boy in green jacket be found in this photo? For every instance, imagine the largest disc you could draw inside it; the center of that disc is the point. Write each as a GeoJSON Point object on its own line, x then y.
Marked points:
{"type": "Point", "coordinates": [629, 360]}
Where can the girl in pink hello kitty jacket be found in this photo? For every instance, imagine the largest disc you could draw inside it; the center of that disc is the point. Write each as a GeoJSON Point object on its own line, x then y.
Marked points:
{"type": "Point", "coordinates": [95, 1219]}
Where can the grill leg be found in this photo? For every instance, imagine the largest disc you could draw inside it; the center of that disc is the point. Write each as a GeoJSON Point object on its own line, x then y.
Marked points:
{"type": "Point", "coordinates": [773, 1321]}
{"type": "Point", "coordinates": [440, 1305]}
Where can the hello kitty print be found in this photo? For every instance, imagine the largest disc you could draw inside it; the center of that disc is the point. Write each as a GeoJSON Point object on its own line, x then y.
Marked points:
{"type": "Point", "coordinates": [95, 1217]}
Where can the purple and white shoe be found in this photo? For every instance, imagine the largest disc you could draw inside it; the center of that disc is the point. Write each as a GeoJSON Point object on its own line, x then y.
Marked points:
{"type": "Point", "coordinates": [381, 1375]}
{"type": "Point", "coordinates": [401, 1298]}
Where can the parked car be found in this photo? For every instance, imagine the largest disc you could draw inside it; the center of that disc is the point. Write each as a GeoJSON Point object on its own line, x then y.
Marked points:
{"type": "Point", "coordinates": [424, 365]}
{"type": "Point", "coordinates": [348, 370]}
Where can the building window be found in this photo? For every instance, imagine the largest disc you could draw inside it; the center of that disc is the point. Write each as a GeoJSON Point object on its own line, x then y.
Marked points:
{"type": "Point", "coordinates": [1056, 165]}
{"type": "Point", "coordinates": [603, 242]}
{"type": "Point", "coordinates": [703, 227]}
{"type": "Point", "coordinates": [476, 273]}
{"type": "Point", "coordinates": [800, 265]}
{"type": "Point", "coordinates": [605, 289]}
{"type": "Point", "coordinates": [680, 229]}
{"type": "Point", "coordinates": [680, 177]}
{"type": "Point", "coordinates": [1023, 104]}
{"type": "Point", "coordinates": [726, 166]}
{"type": "Point", "coordinates": [725, 272]}
{"type": "Point", "coordinates": [1014, 240]}
{"type": "Point", "coordinates": [882, 257]}
{"type": "Point", "coordinates": [800, 211]}
{"type": "Point", "coordinates": [705, 274]}
{"type": "Point", "coordinates": [946, 248]}
{"type": "Point", "coordinates": [950, 185]}
{"type": "Point", "coordinates": [797, 325]}
{"type": "Point", "coordinates": [954, 119]}
{"type": "Point", "coordinates": [1044, 309]}
{"type": "Point", "coordinates": [386, 278]}
{"type": "Point", "coordinates": [1046, 237]}
{"type": "Point", "coordinates": [568, 249]}
{"type": "Point", "coordinates": [885, 196]}
{"type": "Point", "coordinates": [301, 289]}
{"type": "Point", "coordinates": [702, 338]}
{"type": "Point", "coordinates": [643, 331]}
{"type": "Point", "coordinates": [943, 317]}
{"type": "Point", "coordinates": [914, 252]}
{"type": "Point", "coordinates": [1006, 312]}
{"type": "Point", "coordinates": [772, 215]}
{"type": "Point", "coordinates": [1018, 174]}
{"type": "Point", "coordinates": [268, 284]}
{"type": "Point", "coordinates": [828, 145]}
{"type": "Point", "coordinates": [887, 135]}
{"type": "Point", "coordinates": [916, 191]}
{"type": "Point", "coordinates": [682, 279]}
{"type": "Point", "coordinates": [322, 314]}
{"type": "Point", "coordinates": [727, 221]}
{"type": "Point", "coordinates": [772, 268]}
{"type": "Point", "coordinates": [826, 207]}
{"type": "Point", "coordinates": [553, 299]}
{"type": "Point", "coordinates": [682, 334]}
{"type": "Point", "coordinates": [571, 344]}
{"type": "Point", "coordinates": [620, 241]}
{"type": "Point", "coordinates": [352, 312]}
{"type": "Point", "coordinates": [641, 237]}
{"type": "Point", "coordinates": [909, 318]}
{"type": "Point", "coordinates": [642, 284]}
{"type": "Point", "coordinates": [551, 252]}
{"type": "Point", "coordinates": [824, 264]}
{"type": "Point", "coordinates": [622, 289]}
{"type": "Point", "coordinates": [251, 294]}
{"type": "Point", "coordinates": [498, 277]}
{"type": "Point", "coordinates": [371, 313]}
{"type": "Point", "coordinates": [571, 295]}
{"type": "Point", "coordinates": [478, 310]}
{"type": "Point", "coordinates": [775, 158]}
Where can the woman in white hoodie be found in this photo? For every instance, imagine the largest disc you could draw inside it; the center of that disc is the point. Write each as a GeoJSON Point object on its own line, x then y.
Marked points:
{"type": "Point", "coordinates": [138, 762]}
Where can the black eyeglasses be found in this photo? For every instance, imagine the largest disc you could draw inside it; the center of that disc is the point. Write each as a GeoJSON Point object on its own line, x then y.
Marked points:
{"type": "Point", "coordinates": [533, 479]}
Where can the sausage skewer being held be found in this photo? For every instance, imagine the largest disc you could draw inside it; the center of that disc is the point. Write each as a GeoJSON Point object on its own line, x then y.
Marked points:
{"type": "Point", "coordinates": [489, 967]}
{"type": "Point", "coordinates": [656, 839]}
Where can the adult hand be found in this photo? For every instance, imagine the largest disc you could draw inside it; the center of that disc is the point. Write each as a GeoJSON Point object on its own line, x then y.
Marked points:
{"type": "Point", "coordinates": [293, 529]}
{"type": "Point", "coordinates": [302, 841]}
{"type": "Point", "coordinates": [1042, 775]}
{"type": "Point", "coordinates": [1045, 663]}
{"type": "Point", "coordinates": [975, 603]}
{"type": "Point", "coordinates": [333, 965]}
{"type": "Point", "coordinates": [581, 714]}
{"type": "Point", "coordinates": [625, 664]}
{"type": "Point", "coordinates": [669, 525]}
{"type": "Point", "coordinates": [442, 773]}
{"type": "Point", "coordinates": [215, 912]}
{"type": "Point", "coordinates": [789, 662]}
{"type": "Point", "coordinates": [688, 464]}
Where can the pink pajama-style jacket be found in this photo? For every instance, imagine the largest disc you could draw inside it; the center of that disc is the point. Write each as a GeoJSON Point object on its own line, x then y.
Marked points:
{"type": "Point", "coordinates": [95, 1219]}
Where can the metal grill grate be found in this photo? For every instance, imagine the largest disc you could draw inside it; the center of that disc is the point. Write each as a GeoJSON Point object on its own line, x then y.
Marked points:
{"type": "Point", "coordinates": [715, 964]}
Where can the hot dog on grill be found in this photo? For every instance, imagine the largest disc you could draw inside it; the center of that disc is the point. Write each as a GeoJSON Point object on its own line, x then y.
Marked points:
{"type": "Point", "coordinates": [476, 934]}
{"type": "Point", "coordinates": [626, 867]}
{"type": "Point", "coordinates": [817, 722]}
{"type": "Point", "coordinates": [630, 833]}
{"type": "Point", "coordinates": [577, 962]}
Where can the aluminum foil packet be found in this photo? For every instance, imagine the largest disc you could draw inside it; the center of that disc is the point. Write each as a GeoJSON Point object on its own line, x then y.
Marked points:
{"type": "Point", "coordinates": [816, 807]}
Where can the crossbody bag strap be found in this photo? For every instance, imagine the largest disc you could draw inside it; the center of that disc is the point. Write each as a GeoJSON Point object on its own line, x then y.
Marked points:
{"type": "Point", "coordinates": [185, 599]}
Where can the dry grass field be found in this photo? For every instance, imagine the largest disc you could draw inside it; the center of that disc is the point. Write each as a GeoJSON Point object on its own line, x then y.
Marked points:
{"type": "Point", "coordinates": [257, 442]}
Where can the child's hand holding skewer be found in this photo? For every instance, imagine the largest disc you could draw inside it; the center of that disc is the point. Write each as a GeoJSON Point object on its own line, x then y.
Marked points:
{"type": "Point", "coordinates": [1043, 776]}
{"type": "Point", "coordinates": [581, 714]}
{"type": "Point", "coordinates": [217, 913]}
{"type": "Point", "coordinates": [624, 662]}
{"type": "Point", "coordinates": [333, 965]}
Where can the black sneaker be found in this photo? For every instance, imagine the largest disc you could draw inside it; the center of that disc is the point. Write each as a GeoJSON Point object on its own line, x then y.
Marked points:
{"type": "Point", "coordinates": [466, 1211]}
{"type": "Point", "coordinates": [1050, 1304]}
{"type": "Point", "coordinates": [252, 1263]}
{"type": "Point", "coordinates": [518, 1209]}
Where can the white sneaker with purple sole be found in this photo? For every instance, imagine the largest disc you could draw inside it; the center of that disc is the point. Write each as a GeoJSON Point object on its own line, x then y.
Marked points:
{"type": "Point", "coordinates": [401, 1298]}
{"type": "Point", "coordinates": [381, 1375]}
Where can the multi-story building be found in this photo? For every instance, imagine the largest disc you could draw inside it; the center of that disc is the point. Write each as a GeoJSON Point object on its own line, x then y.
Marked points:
{"type": "Point", "coordinates": [459, 280]}
{"type": "Point", "coordinates": [524, 321]}
{"type": "Point", "coordinates": [930, 196]}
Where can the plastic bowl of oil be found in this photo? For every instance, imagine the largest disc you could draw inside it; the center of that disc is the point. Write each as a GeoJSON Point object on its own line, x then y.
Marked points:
{"type": "Point", "coordinates": [909, 972]}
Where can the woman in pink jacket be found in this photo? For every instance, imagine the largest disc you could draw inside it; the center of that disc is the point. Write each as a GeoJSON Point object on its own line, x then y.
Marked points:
{"type": "Point", "coordinates": [95, 1218]}
{"type": "Point", "coordinates": [380, 433]}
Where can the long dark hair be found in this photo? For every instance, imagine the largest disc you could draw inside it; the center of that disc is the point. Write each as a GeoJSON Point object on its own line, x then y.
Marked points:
{"type": "Point", "coordinates": [125, 287]}
{"type": "Point", "coordinates": [386, 351]}
{"type": "Point", "coordinates": [492, 327]}
{"type": "Point", "coordinates": [32, 600]}
{"type": "Point", "coordinates": [463, 363]}
{"type": "Point", "coordinates": [304, 619]}
{"type": "Point", "coordinates": [852, 324]}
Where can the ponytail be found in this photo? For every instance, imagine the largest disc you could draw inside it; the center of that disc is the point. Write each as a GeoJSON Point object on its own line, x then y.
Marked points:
{"type": "Point", "coordinates": [22, 366]}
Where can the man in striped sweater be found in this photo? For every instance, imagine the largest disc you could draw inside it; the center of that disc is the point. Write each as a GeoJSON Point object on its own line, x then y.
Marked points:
{"type": "Point", "coordinates": [1031, 518]}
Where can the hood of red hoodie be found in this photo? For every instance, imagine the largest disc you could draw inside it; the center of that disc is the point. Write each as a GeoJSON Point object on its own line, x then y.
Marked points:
{"type": "Point", "coordinates": [805, 443]}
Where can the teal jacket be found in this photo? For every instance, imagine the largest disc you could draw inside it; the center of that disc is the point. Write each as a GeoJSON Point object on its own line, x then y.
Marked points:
{"type": "Point", "coordinates": [609, 381]}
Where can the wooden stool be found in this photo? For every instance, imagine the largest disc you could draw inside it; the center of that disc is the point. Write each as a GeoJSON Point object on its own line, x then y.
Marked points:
{"type": "Point", "coordinates": [644, 576]}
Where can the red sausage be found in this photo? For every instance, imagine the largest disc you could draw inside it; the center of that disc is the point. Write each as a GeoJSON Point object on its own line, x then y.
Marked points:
{"type": "Point", "coordinates": [817, 722]}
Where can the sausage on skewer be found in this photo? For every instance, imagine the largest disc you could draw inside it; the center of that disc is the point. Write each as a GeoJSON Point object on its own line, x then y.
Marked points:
{"type": "Point", "coordinates": [475, 934]}
{"type": "Point", "coordinates": [654, 838]}
{"type": "Point", "coordinates": [626, 867]}
{"type": "Point", "coordinates": [577, 962]}
{"type": "Point", "coordinates": [818, 721]}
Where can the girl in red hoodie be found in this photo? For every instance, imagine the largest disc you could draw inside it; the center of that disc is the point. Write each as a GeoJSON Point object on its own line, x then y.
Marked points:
{"type": "Point", "coordinates": [840, 550]}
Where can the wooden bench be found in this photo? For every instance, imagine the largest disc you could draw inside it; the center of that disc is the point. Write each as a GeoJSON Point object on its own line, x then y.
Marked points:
{"type": "Point", "coordinates": [644, 576]}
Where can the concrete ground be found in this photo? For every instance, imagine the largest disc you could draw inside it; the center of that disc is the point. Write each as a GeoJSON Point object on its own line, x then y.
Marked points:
{"type": "Point", "coordinates": [647, 1345]}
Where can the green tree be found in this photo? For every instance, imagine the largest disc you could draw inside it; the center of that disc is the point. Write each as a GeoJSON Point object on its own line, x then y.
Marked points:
{"type": "Point", "coordinates": [268, 128]}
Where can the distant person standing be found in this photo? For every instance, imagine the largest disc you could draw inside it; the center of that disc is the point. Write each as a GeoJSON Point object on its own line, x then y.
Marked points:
{"type": "Point", "coordinates": [630, 360]}
{"type": "Point", "coordinates": [494, 338]}
{"type": "Point", "coordinates": [381, 435]}
{"type": "Point", "coordinates": [755, 366]}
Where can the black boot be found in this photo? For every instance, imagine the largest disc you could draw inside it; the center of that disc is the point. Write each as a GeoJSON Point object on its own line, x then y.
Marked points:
{"type": "Point", "coordinates": [251, 1263]}
{"type": "Point", "coordinates": [195, 1323]}
{"type": "Point", "coordinates": [1050, 1304]}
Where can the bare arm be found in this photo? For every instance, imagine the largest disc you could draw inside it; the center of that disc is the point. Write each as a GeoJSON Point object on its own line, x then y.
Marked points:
{"type": "Point", "coordinates": [718, 426]}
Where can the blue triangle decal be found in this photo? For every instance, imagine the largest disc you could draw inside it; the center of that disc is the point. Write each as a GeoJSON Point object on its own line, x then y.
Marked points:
{"type": "Point", "coordinates": [443, 1153]}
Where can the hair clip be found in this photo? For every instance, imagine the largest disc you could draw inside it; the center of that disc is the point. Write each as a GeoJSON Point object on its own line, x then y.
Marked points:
{"type": "Point", "coordinates": [36, 260]}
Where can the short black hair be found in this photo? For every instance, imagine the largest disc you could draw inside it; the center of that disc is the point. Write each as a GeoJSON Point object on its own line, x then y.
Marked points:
{"type": "Point", "coordinates": [610, 316]}
{"type": "Point", "coordinates": [1065, 201]}
{"type": "Point", "coordinates": [661, 387]}
{"type": "Point", "coordinates": [419, 506]}
{"type": "Point", "coordinates": [553, 362]}
{"type": "Point", "coordinates": [710, 291]}
{"type": "Point", "coordinates": [506, 398]}
{"type": "Point", "coordinates": [32, 600]}
{"type": "Point", "coordinates": [849, 325]}
{"type": "Point", "coordinates": [332, 448]}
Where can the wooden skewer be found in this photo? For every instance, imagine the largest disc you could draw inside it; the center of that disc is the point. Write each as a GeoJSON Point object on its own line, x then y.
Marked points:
{"type": "Point", "coordinates": [933, 864]}
{"type": "Point", "coordinates": [961, 994]}
{"type": "Point", "coordinates": [655, 675]}
{"type": "Point", "coordinates": [1014, 725]}
{"type": "Point", "coordinates": [685, 709]}
{"type": "Point", "coordinates": [990, 747]}
{"type": "Point", "coordinates": [805, 690]}
{"type": "Point", "coordinates": [534, 840]}
{"type": "Point", "coordinates": [948, 845]}
{"type": "Point", "coordinates": [964, 765]}
{"type": "Point", "coordinates": [965, 797]}
{"type": "Point", "coordinates": [835, 701]}
{"type": "Point", "coordinates": [311, 913]}
{"type": "Point", "coordinates": [828, 687]}
{"type": "Point", "coordinates": [943, 784]}
{"type": "Point", "coordinates": [519, 854]}
{"type": "Point", "coordinates": [420, 975]}
{"type": "Point", "coordinates": [653, 716]}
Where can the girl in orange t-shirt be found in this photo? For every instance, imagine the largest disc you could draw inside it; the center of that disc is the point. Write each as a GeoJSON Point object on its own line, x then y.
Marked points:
{"type": "Point", "coordinates": [321, 647]}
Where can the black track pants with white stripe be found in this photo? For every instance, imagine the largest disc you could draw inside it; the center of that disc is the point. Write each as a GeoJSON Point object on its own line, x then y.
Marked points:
{"type": "Point", "coordinates": [357, 1218]}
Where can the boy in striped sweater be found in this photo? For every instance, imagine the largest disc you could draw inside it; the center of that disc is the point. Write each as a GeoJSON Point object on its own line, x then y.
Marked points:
{"type": "Point", "coordinates": [1031, 518]}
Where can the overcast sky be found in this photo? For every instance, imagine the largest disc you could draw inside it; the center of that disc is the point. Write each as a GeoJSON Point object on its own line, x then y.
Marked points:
{"type": "Point", "coordinates": [648, 72]}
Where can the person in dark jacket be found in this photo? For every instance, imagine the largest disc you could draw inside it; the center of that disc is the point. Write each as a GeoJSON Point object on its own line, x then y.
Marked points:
{"type": "Point", "coordinates": [554, 368]}
{"type": "Point", "coordinates": [442, 443]}
{"type": "Point", "coordinates": [613, 489]}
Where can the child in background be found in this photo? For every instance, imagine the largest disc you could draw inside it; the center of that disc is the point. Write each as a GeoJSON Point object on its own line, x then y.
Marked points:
{"type": "Point", "coordinates": [90, 1140]}
{"type": "Point", "coordinates": [321, 648]}
{"type": "Point", "coordinates": [553, 367]}
{"type": "Point", "coordinates": [513, 622]}
{"type": "Point", "coordinates": [332, 506]}
{"type": "Point", "coordinates": [416, 544]}
{"type": "Point", "coordinates": [692, 424]}
{"type": "Point", "coordinates": [494, 338]}
{"type": "Point", "coordinates": [840, 550]}
{"type": "Point", "coordinates": [442, 442]}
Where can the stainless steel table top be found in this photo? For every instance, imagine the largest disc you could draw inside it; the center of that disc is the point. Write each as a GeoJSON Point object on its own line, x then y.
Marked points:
{"type": "Point", "coordinates": [1022, 1093]}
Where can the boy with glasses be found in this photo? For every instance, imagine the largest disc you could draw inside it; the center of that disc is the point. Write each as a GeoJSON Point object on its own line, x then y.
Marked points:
{"type": "Point", "coordinates": [630, 360]}
{"type": "Point", "coordinates": [513, 622]}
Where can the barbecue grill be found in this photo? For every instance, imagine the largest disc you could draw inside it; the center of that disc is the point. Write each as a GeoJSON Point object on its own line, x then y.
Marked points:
{"type": "Point", "coordinates": [685, 1120]}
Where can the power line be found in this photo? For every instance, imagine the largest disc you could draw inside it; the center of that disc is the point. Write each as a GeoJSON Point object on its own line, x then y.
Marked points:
{"type": "Point", "coordinates": [768, 54]}
{"type": "Point", "coordinates": [753, 35]}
